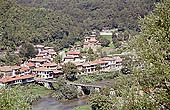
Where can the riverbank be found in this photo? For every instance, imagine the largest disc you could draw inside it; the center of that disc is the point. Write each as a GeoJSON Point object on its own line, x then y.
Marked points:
{"type": "Point", "coordinates": [50, 103]}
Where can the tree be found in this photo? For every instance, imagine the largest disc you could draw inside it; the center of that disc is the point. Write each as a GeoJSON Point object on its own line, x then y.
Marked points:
{"type": "Point", "coordinates": [10, 59]}
{"type": "Point", "coordinates": [90, 51]}
{"type": "Point", "coordinates": [104, 41]}
{"type": "Point", "coordinates": [70, 70]}
{"type": "Point", "coordinates": [152, 46]}
{"type": "Point", "coordinates": [101, 102]}
{"type": "Point", "coordinates": [148, 87]}
{"type": "Point", "coordinates": [98, 67]}
{"type": "Point", "coordinates": [11, 100]}
{"type": "Point", "coordinates": [65, 91]}
{"type": "Point", "coordinates": [1, 75]}
{"type": "Point", "coordinates": [58, 59]}
{"type": "Point", "coordinates": [28, 50]}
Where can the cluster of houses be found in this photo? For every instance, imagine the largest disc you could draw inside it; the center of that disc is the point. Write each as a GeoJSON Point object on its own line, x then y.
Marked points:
{"type": "Point", "coordinates": [91, 42]}
{"type": "Point", "coordinates": [106, 64]}
{"type": "Point", "coordinates": [44, 67]}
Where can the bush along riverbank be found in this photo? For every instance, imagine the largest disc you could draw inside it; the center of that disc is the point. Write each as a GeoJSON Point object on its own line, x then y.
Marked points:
{"type": "Point", "coordinates": [86, 107]}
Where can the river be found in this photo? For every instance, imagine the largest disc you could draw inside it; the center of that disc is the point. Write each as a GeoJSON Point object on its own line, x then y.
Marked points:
{"type": "Point", "coordinates": [49, 103]}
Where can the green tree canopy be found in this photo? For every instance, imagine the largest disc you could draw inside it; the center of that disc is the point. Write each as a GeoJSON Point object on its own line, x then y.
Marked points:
{"type": "Point", "coordinates": [28, 50]}
{"type": "Point", "coordinates": [148, 87]}
{"type": "Point", "coordinates": [70, 70]}
{"type": "Point", "coordinates": [11, 100]}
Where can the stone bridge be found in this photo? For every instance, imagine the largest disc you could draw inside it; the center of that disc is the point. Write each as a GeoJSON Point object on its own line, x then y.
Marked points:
{"type": "Point", "coordinates": [81, 88]}
{"type": "Point", "coordinates": [84, 88]}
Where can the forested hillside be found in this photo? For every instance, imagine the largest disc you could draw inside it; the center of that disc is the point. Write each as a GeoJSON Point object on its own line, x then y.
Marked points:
{"type": "Point", "coordinates": [62, 22]}
{"type": "Point", "coordinates": [36, 25]}
{"type": "Point", "coordinates": [98, 13]}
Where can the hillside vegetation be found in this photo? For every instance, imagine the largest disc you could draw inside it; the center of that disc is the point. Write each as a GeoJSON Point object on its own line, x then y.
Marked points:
{"type": "Point", "coordinates": [60, 23]}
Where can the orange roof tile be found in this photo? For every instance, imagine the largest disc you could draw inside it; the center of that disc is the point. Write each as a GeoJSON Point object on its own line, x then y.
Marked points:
{"type": "Point", "coordinates": [24, 69]}
{"type": "Point", "coordinates": [9, 79]}
{"type": "Point", "coordinates": [30, 64]}
{"type": "Point", "coordinates": [6, 69]}
{"type": "Point", "coordinates": [49, 64]}
{"type": "Point", "coordinates": [38, 60]}
{"type": "Point", "coordinates": [42, 69]}
{"type": "Point", "coordinates": [57, 71]}
{"type": "Point", "coordinates": [73, 53]}
{"type": "Point", "coordinates": [107, 59]}
{"type": "Point", "coordinates": [86, 64]}
{"type": "Point", "coordinates": [16, 67]}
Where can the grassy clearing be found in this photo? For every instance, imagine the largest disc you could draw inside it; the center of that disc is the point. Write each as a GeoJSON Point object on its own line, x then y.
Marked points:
{"type": "Point", "coordinates": [94, 78]}
{"type": "Point", "coordinates": [86, 107]}
{"type": "Point", "coordinates": [111, 46]}
{"type": "Point", "coordinates": [37, 90]}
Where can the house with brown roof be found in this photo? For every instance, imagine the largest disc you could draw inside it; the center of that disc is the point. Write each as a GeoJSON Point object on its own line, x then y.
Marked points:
{"type": "Point", "coordinates": [91, 67]}
{"type": "Point", "coordinates": [57, 73]}
{"type": "Point", "coordinates": [25, 70]}
{"type": "Point", "coordinates": [43, 72]}
{"type": "Point", "coordinates": [111, 63]}
{"type": "Point", "coordinates": [72, 56]}
{"type": "Point", "coordinates": [9, 70]}
{"type": "Point", "coordinates": [30, 65]}
{"type": "Point", "coordinates": [106, 64]}
{"type": "Point", "coordinates": [18, 79]}
{"type": "Point", "coordinates": [91, 42]}
{"type": "Point", "coordinates": [38, 61]}
{"type": "Point", "coordinates": [118, 65]}
{"type": "Point", "coordinates": [51, 65]}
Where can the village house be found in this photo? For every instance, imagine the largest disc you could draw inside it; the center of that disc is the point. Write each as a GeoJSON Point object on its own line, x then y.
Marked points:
{"type": "Point", "coordinates": [29, 64]}
{"type": "Point", "coordinates": [25, 70]}
{"type": "Point", "coordinates": [57, 73]}
{"type": "Point", "coordinates": [72, 56]}
{"type": "Point", "coordinates": [49, 49]}
{"type": "Point", "coordinates": [38, 61]}
{"type": "Point", "coordinates": [9, 70]}
{"type": "Point", "coordinates": [111, 63]}
{"type": "Point", "coordinates": [43, 72]}
{"type": "Point", "coordinates": [118, 65]}
{"type": "Point", "coordinates": [51, 65]}
{"type": "Point", "coordinates": [18, 79]}
{"type": "Point", "coordinates": [105, 64]}
{"type": "Point", "coordinates": [91, 42]}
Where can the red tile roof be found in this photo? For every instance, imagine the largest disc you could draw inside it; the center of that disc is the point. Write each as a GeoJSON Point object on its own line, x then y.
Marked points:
{"type": "Point", "coordinates": [42, 69]}
{"type": "Point", "coordinates": [9, 79]}
{"type": "Point", "coordinates": [68, 57]}
{"type": "Point", "coordinates": [73, 53]}
{"type": "Point", "coordinates": [30, 64]}
{"type": "Point", "coordinates": [86, 43]}
{"type": "Point", "coordinates": [16, 67]}
{"type": "Point", "coordinates": [9, 68]}
{"type": "Point", "coordinates": [38, 60]}
{"type": "Point", "coordinates": [107, 59]}
{"type": "Point", "coordinates": [50, 64]}
{"type": "Point", "coordinates": [6, 69]}
{"type": "Point", "coordinates": [24, 69]}
{"type": "Point", "coordinates": [86, 64]}
{"type": "Point", "coordinates": [57, 71]}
